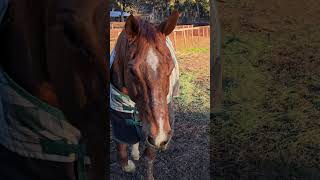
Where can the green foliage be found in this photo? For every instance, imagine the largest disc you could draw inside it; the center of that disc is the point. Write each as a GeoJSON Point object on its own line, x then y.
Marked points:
{"type": "Point", "coordinates": [193, 5]}
{"type": "Point", "coordinates": [182, 5]}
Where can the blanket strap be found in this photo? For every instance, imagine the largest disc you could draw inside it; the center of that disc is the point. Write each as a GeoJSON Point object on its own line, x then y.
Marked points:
{"type": "Point", "coordinates": [134, 120]}
{"type": "Point", "coordinates": [61, 147]}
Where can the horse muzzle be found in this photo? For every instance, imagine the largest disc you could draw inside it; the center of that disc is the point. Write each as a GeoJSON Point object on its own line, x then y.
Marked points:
{"type": "Point", "coordinates": [161, 147]}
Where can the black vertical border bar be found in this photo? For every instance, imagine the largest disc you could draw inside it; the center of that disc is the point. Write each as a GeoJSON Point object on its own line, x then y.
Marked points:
{"type": "Point", "coordinates": [216, 92]}
{"type": "Point", "coordinates": [107, 50]}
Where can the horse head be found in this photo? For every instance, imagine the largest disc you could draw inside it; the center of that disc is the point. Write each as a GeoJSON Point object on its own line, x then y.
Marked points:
{"type": "Point", "coordinates": [146, 72]}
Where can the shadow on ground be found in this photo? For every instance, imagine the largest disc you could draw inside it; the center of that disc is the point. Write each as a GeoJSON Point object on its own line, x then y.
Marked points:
{"type": "Point", "coordinates": [186, 158]}
{"type": "Point", "coordinates": [269, 127]}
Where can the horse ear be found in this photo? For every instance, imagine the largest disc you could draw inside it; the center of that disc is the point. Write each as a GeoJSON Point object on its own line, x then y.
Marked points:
{"type": "Point", "coordinates": [131, 27]}
{"type": "Point", "coordinates": [168, 25]}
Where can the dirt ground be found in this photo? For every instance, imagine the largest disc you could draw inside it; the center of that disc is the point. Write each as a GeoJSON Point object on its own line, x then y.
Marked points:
{"type": "Point", "coordinates": [269, 128]}
{"type": "Point", "coordinates": [187, 156]}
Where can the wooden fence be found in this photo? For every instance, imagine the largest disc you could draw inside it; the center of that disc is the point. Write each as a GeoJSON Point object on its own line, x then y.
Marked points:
{"type": "Point", "coordinates": [120, 25]}
{"type": "Point", "coordinates": [115, 25]}
{"type": "Point", "coordinates": [182, 36]}
{"type": "Point", "coordinates": [189, 36]}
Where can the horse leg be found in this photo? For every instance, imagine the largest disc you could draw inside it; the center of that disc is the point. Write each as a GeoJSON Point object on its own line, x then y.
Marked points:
{"type": "Point", "coordinates": [127, 165]}
{"type": "Point", "coordinates": [135, 154]}
{"type": "Point", "coordinates": [151, 156]}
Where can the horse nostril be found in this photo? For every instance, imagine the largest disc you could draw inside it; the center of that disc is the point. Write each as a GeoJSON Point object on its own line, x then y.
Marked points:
{"type": "Point", "coordinates": [151, 140]}
{"type": "Point", "coordinates": [163, 143]}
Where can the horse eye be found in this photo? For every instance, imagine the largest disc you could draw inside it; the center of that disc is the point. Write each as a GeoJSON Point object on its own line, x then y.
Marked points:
{"type": "Point", "coordinates": [131, 71]}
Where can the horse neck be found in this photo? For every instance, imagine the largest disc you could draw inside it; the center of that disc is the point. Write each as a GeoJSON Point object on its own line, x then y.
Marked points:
{"type": "Point", "coordinates": [23, 49]}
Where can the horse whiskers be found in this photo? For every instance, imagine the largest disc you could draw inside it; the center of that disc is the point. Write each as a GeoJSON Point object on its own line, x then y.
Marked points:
{"type": "Point", "coordinates": [162, 148]}
{"type": "Point", "coordinates": [151, 145]}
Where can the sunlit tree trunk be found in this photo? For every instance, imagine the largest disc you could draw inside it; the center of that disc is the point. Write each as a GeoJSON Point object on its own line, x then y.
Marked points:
{"type": "Point", "coordinates": [198, 10]}
{"type": "Point", "coordinates": [123, 3]}
{"type": "Point", "coordinates": [162, 16]}
{"type": "Point", "coordinates": [167, 8]}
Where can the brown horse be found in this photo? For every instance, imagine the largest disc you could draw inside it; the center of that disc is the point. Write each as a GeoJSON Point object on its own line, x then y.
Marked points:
{"type": "Point", "coordinates": [55, 51]}
{"type": "Point", "coordinates": [142, 65]}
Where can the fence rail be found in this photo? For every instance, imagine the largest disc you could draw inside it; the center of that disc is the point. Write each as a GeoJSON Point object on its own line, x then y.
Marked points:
{"type": "Point", "coordinates": [115, 25]}
{"type": "Point", "coordinates": [185, 35]}
{"type": "Point", "coordinates": [120, 25]}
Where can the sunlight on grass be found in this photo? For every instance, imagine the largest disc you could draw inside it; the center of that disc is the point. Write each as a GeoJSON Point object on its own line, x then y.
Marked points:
{"type": "Point", "coordinates": [196, 50]}
{"type": "Point", "coordinates": [194, 80]}
{"type": "Point", "coordinates": [193, 97]}
{"type": "Point", "coordinates": [187, 89]}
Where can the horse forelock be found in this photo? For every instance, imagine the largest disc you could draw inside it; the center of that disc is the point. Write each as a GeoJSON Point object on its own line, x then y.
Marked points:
{"type": "Point", "coordinates": [147, 41]}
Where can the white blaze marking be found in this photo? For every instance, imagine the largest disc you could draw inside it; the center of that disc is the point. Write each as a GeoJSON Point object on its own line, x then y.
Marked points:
{"type": "Point", "coordinates": [161, 134]}
{"type": "Point", "coordinates": [152, 60]}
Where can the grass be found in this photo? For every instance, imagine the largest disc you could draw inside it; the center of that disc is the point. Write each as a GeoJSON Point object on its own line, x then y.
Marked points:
{"type": "Point", "coordinates": [194, 86]}
{"type": "Point", "coordinates": [196, 50]}
{"type": "Point", "coordinates": [193, 97]}
{"type": "Point", "coordinates": [187, 89]}
{"type": "Point", "coordinates": [268, 128]}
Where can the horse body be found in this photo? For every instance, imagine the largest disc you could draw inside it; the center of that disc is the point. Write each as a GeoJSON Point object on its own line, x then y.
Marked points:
{"type": "Point", "coordinates": [55, 51]}
{"type": "Point", "coordinates": [142, 69]}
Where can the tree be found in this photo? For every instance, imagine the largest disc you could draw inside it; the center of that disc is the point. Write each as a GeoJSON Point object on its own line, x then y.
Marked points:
{"type": "Point", "coordinates": [188, 7]}
{"type": "Point", "coordinates": [164, 8]}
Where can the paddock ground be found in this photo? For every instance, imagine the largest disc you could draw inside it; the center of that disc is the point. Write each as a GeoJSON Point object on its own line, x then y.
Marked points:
{"type": "Point", "coordinates": [269, 127]}
{"type": "Point", "coordinates": [188, 155]}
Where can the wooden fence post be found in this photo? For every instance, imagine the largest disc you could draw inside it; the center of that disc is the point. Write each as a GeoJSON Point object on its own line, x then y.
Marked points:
{"type": "Point", "coordinates": [206, 30]}
{"type": "Point", "coordinates": [192, 35]}
{"type": "Point", "coordinates": [203, 32]}
{"type": "Point", "coordinates": [187, 36]}
{"type": "Point", "coordinates": [207, 33]}
{"type": "Point", "coordinates": [175, 39]}
{"type": "Point", "coordinates": [185, 39]}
